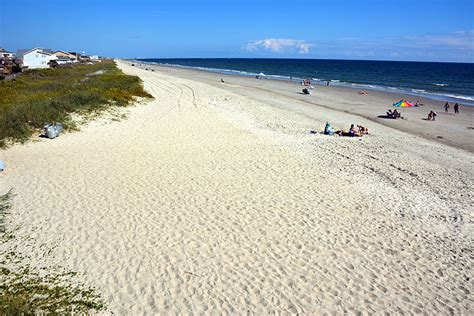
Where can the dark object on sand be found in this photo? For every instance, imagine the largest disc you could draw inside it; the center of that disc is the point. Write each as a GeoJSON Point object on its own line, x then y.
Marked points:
{"type": "Point", "coordinates": [2, 166]}
{"type": "Point", "coordinates": [133, 65]}
{"type": "Point", "coordinates": [306, 91]}
{"type": "Point", "coordinates": [52, 130]}
{"type": "Point", "coordinates": [393, 114]}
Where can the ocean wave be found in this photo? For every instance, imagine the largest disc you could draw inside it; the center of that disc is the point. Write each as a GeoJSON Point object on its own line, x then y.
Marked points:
{"type": "Point", "coordinates": [369, 86]}
{"type": "Point", "coordinates": [439, 95]}
{"type": "Point", "coordinates": [434, 95]}
{"type": "Point", "coordinates": [454, 96]}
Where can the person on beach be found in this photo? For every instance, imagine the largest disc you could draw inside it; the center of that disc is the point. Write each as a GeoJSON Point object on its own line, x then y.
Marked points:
{"type": "Point", "coordinates": [362, 130]}
{"type": "Point", "coordinates": [432, 115]}
{"type": "Point", "coordinates": [396, 114]}
{"type": "Point", "coordinates": [456, 108]}
{"type": "Point", "coordinates": [446, 107]}
{"type": "Point", "coordinates": [352, 130]}
{"type": "Point", "coordinates": [328, 129]}
{"type": "Point", "coordinates": [351, 133]}
{"type": "Point", "coordinates": [222, 80]}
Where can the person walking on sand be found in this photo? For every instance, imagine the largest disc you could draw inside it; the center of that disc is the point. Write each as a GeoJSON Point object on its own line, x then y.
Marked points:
{"type": "Point", "coordinates": [446, 107]}
{"type": "Point", "coordinates": [456, 108]}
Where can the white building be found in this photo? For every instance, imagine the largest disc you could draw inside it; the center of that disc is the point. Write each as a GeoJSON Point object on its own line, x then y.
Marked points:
{"type": "Point", "coordinates": [6, 54]}
{"type": "Point", "coordinates": [37, 58]}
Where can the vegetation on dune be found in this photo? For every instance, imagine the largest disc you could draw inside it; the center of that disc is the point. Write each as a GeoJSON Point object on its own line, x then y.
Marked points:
{"type": "Point", "coordinates": [25, 290]}
{"type": "Point", "coordinates": [5, 204]}
{"type": "Point", "coordinates": [51, 95]}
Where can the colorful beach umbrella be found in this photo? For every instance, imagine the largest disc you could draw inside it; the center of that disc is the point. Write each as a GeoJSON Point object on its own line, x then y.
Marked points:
{"type": "Point", "coordinates": [403, 103]}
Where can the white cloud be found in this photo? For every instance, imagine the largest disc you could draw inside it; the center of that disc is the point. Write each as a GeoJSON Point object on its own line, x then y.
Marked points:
{"type": "Point", "coordinates": [456, 46]}
{"type": "Point", "coordinates": [280, 45]}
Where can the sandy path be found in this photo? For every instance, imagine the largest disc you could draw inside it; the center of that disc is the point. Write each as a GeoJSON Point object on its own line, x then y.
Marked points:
{"type": "Point", "coordinates": [204, 200]}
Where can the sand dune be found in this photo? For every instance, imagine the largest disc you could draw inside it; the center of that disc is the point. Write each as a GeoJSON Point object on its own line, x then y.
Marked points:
{"type": "Point", "coordinates": [206, 200]}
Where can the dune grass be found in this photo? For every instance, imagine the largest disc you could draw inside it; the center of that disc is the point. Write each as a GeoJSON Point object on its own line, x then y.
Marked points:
{"type": "Point", "coordinates": [51, 95]}
{"type": "Point", "coordinates": [25, 290]}
{"type": "Point", "coordinates": [5, 204]}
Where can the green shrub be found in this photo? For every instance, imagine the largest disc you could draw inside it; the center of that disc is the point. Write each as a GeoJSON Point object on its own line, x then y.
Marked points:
{"type": "Point", "coordinates": [46, 95]}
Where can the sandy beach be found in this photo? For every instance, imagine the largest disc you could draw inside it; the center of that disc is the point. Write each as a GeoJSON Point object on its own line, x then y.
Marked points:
{"type": "Point", "coordinates": [216, 198]}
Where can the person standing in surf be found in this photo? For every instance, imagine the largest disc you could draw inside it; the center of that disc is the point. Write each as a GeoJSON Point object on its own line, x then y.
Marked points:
{"type": "Point", "coordinates": [446, 107]}
{"type": "Point", "coordinates": [456, 108]}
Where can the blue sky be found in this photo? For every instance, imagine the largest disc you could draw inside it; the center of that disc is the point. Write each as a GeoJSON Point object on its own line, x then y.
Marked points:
{"type": "Point", "coordinates": [436, 30]}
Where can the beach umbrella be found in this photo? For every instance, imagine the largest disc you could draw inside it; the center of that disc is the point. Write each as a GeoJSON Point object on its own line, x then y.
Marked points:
{"type": "Point", "coordinates": [403, 104]}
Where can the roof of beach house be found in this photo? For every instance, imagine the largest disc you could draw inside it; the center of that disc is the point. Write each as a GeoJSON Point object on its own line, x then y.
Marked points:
{"type": "Point", "coordinates": [63, 52]}
{"type": "Point", "coordinates": [3, 50]}
{"type": "Point", "coordinates": [22, 52]}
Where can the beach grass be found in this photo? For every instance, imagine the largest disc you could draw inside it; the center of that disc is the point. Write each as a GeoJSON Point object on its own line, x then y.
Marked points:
{"type": "Point", "coordinates": [5, 205]}
{"type": "Point", "coordinates": [26, 291]}
{"type": "Point", "coordinates": [42, 96]}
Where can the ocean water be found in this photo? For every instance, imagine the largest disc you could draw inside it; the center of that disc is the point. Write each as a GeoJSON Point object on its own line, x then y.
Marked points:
{"type": "Point", "coordinates": [442, 81]}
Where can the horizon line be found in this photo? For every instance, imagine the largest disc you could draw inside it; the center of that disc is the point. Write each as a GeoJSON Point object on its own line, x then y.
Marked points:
{"type": "Point", "coordinates": [296, 58]}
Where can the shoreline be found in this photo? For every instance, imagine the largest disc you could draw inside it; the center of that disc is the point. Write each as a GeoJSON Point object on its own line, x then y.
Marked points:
{"type": "Point", "coordinates": [412, 92]}
{"type": "Point", "coordinates": [455, 131]}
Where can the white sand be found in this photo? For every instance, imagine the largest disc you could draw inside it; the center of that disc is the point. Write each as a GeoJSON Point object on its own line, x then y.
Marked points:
{"type": "Point", "coordinates": [205, 200]}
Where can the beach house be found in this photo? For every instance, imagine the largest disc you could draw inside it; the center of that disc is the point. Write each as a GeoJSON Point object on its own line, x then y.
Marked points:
{"type": "Point", "coordinates": [76, 55]}
{"type": "Point", "coordinates": [64, 58]}
{"type": "Point", "coordinates": [60, 54]}
{"type": "Point", "coordinates": [37, 58]}
{"type": "Point", "coordinates": [6, 54]}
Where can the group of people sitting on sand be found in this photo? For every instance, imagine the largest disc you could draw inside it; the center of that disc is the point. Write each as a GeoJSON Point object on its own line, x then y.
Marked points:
{"type": "Point", "coordinates": [353, 131]}
{"type": "Point", "coordinates": [393, 114]}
